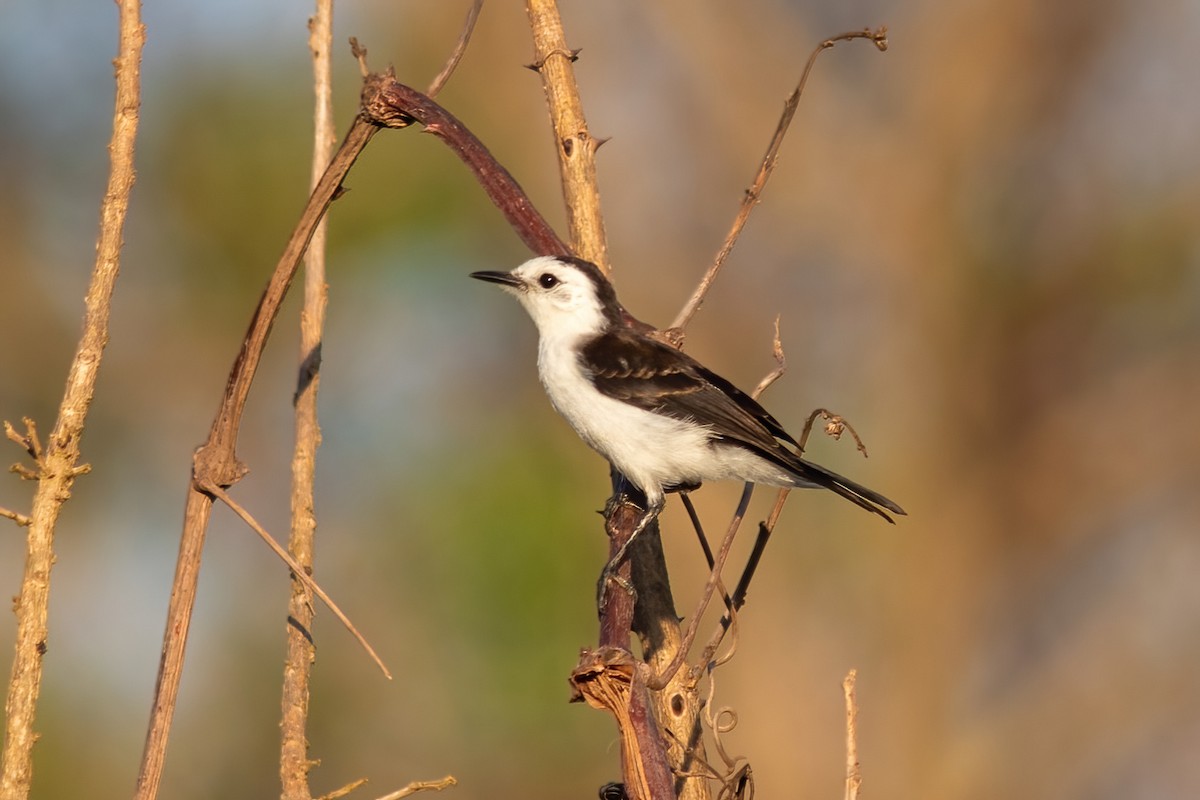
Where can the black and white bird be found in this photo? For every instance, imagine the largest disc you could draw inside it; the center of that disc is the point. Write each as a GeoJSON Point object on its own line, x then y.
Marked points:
{"type": "Point", "coordinates": [661, 418]}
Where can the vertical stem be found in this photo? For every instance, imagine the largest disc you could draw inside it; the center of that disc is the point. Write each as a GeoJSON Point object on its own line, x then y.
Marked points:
{"type": "Point", "coordinates": [677, 707]}
{"type": "Point", "coordinates": [574, 144]}
{"type": "Point", "coordinates": [59, 464]}
{"type": "Point", "coordinates": [293, 756]}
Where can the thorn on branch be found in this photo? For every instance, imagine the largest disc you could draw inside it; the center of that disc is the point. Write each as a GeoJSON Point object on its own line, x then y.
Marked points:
{"type": "Point", "coordinates": [570, 55]}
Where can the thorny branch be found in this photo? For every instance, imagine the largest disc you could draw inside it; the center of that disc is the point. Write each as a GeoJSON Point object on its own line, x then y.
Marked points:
{"type": "Point", "coordinates": [574, 144]}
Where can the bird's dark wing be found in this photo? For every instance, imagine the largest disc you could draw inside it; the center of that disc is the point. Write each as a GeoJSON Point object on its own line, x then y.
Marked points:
{"type": "Point", "coordinates": [654, 376]}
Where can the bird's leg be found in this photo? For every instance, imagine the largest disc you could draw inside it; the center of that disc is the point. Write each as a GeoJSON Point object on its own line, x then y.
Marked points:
{"type": "Point", "coordinates": [653, 508]}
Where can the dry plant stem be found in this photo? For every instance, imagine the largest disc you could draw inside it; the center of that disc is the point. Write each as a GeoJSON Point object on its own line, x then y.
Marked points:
{"type": "Point", "coordinates": [15, 516]}
{"type": "Point", "coordinates": [655, 618]}
{"type": "Point", "coordinates": [59, 465]}
{"type": "Point", "coordinates": [297, 572]}
{"type": "Point", "coordinates": [617, 596]}
{"type": "Point", "coordinates": [575, 146]}
{"type": "Point", "coordinates": [294, 763]}
{"type": "Point", "coordinates": [610, 678]}
{"type": "Point", "coordinates": [421, 786]}
{"type": "Point", "coordinates": [853, 771]}
{"type": "Point", "coordinates": [460, 47]}
{"type": "Point", "coordinates": [661, 678]}
{"type": "Point", "coordinates": [215, 462]}
{"type": "Point", "coordinates": [733, 604]}
{"type": "Point", "coordinates": [738, 599]}
{"type": "Point", "coordinates": [343, 790]}
{"type": "Point", "coordinates": [764, 173]}
{"type": "Point", "coordinates": [657, 626]}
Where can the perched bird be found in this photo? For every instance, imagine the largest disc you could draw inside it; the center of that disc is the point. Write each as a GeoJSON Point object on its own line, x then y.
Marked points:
{"type": "Point", "coordinates": [661, 418]}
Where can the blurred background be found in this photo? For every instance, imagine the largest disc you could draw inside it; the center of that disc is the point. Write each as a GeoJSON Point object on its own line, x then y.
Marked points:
{"type": "Point", "coordinates": [984, 248]}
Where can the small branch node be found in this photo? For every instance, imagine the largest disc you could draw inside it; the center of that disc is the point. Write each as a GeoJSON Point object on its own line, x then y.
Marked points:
{"type": "Point", "coordinates": [25, 473]}
{"type": "Point", "coordinates": [360, 55]}
{"type": "Point", "coordinates": [29, 440]}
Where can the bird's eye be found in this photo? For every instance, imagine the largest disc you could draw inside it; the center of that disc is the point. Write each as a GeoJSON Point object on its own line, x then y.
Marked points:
{"type": "Point", "coordinates": [548, 280]}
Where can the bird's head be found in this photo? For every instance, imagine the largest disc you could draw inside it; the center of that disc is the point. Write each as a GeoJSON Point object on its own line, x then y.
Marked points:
{"type": "Point", "coordinates": [565, 296]}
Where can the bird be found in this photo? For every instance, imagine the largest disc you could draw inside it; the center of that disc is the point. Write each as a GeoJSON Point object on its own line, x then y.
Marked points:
{"type": "Point", "coordinates": [661, 418]}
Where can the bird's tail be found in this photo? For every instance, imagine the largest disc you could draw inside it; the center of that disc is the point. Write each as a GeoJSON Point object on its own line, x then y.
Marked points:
{"type": "Point", "coordinates": [856, 493]}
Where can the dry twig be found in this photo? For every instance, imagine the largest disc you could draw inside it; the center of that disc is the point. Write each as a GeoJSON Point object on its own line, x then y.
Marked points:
{"type": "Point", "coordinates": [751, 198]}
{"type": "Point", "coordinates": [460, 48]}
{"type": "Point", "coordinates": [294, 763]}
{"type": "Point", "coordinates": [853, 770]}
{"type": "Point", "coordinates": [59, 464]}
{"type": "Point", "coordinates": [421, 786]}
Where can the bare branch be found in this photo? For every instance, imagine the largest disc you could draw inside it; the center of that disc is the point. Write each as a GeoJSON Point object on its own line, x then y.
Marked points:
{"type": "Point", "coordinates": [460, 47]}
{"type": "Point", "coordinates": [294, 763]}
{"type": "Point", "coordinates": [15, 516]}
{"type": "Point", "coordinates": [660, 680]}
{"type": "Point", "coordinates": [879, 38]}
{"type": "Point", "coordinates": [59, 461]}
{"type": "Point", "coordinates": [28, 441]}
{"type": "Point", "coordinates": [344, 790]}
{"type": "Point", "coordinates": [780, 364]}
{"type": "Point", "coordinates": [853, 770]}
{"type": "Point", "coordinates": [421, 786]}
{"type": "Point", "coordinates": [574, 145]}
{"type": "Point", "coordinates": [296, 569]}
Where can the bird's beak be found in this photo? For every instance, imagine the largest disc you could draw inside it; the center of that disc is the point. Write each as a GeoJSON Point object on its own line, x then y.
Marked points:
{"type": "Point", "coordinates": [506, 279]}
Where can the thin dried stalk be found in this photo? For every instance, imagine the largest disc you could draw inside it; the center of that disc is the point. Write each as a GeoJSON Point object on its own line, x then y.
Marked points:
{"type": "Point", "coordinates": [297, 669]}
{"type": "Point", "coordinates": [751, 198]}
{"type": "Point", "coordinates": [853, 769]}
{"type": "Point", "coordinates": [58, 466]}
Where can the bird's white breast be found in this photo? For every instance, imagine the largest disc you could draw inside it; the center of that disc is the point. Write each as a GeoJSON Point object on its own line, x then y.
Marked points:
{"type": "Point", "coordinates": [651, 450]}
